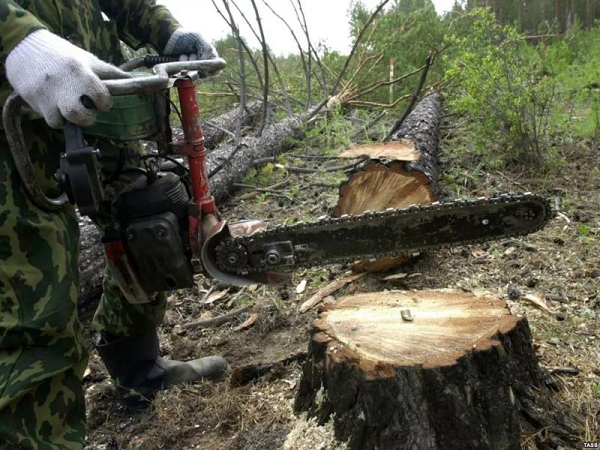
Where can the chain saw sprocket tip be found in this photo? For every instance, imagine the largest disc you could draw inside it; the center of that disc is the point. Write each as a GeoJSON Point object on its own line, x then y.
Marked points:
{"type": "Point", "coordinates": [232, 256]}
{"type": "Point", "coordinates": [393, 232]}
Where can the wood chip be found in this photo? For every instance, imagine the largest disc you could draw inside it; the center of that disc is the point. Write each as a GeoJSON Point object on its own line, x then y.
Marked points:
{"type": "Point", "coordinates": [329, 300]}
{"type": "Point", "coordinates": [301, 287]}
{"type": "Point", "coordinates": [248, 323]}
{"type": "Point", "coordinates": [406, 315]}
{"type": "Point", "coordinates": [214, 296]}
{"type": "Point", "coordinates": [336, 285]}
{"type": "Point", "coordinates": [510, 251]}
{"type": "Point", "coordinates": [538, 301]}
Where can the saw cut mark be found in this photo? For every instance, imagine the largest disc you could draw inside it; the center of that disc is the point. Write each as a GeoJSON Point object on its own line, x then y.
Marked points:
{"type": "Point", "coordinates": [445, 326]}
{"type": "Point", "coordinates": [402, 150]}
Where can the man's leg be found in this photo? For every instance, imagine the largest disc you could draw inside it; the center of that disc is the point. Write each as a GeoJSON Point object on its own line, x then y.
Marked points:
{"type": "Point", "coordinates": [115, 316]}
{"type": "Point", "coordinates": [42, 358]}
{"type": "Point", "coordinates": [128, 339]}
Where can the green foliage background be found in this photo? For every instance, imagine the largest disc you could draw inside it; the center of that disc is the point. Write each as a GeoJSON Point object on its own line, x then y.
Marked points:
{"type": "Point", "coordinates": [522, 81]}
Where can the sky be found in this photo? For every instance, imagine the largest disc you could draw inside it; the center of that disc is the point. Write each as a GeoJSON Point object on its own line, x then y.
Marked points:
{"type": "Point", "coordinates": [327, 21]}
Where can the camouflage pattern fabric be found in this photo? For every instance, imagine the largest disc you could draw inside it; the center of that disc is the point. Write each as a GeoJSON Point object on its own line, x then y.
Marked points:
{"type": "Point", "coordinates": [42, 356]}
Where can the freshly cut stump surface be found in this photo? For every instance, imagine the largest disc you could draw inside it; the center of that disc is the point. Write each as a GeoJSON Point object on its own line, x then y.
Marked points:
{"type": "Point", "coordinates": [433, 369]}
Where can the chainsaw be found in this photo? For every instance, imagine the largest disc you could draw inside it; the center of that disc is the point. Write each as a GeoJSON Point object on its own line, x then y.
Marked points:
{"type": "Point", "coordinates": [167, 227]}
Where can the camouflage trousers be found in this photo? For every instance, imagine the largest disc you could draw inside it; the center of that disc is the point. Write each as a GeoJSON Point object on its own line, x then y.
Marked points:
{"type": "Point", "coordinates": [42, 353]}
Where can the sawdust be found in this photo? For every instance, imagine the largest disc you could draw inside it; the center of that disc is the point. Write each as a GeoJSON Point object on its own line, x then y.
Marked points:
{"type": "Point", "coordinates": [308, 435]}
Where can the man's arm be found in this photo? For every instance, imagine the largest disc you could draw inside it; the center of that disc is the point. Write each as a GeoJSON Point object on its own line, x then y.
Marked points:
{"type": "Point", "coordinates": [141, 22]}
{"type": "Point", "coordinates": [15, 25]}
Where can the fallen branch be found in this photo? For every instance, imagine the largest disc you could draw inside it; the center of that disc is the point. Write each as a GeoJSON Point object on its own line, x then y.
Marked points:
{"type": "Point", "coordinates": [245, 374]}
{"type": "Point", "coordinates": [257, 190]}
{"type": "Point", "coordinates": [216, 321]}
{"type": "Point", "coordinates": [318, 296]}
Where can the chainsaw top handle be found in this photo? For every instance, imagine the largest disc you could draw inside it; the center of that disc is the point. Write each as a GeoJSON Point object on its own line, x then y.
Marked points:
{"type": "Point", "coordinates": [163, 66]}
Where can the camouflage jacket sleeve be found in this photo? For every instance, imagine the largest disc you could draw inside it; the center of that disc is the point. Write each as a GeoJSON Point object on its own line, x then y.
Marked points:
{"type": "Point", "coordinates": [141, 22]}
{"type": "Point", "coordinates": [15, 24]}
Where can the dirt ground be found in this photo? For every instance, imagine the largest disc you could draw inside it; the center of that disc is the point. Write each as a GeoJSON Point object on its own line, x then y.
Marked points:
{"type": "Point", "coordinates": [561, 262]}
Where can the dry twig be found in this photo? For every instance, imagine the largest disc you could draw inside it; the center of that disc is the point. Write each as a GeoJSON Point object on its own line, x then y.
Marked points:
{"type": "Point", "coordinates": [216, 321]}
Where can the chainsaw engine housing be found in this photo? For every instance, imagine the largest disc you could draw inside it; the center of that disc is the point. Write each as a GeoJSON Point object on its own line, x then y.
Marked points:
{"type": "Point", "coordinates": [152, 225]}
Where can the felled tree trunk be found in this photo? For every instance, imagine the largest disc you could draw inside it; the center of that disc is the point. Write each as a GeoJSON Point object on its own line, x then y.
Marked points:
{"type": "Point", "coordinates": [424, 370]}
{"type": "Point", "coordinates": [400, 173]}
{"type": "Point", "coordinates": [234, 161]}
{"type": "Point", "coordinates": [213, 128]}
{"type": "Point", "coordinates": [237, 160]}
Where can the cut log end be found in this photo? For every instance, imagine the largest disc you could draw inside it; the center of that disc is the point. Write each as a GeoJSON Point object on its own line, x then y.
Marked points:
{"type": "Point", "coordinates": [431, 369]}
{"type": "Point", "coordinates": [380, 186]}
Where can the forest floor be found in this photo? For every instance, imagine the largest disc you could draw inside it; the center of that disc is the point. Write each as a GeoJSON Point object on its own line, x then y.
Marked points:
{"type": "Point", "coordinates": [560, 263]}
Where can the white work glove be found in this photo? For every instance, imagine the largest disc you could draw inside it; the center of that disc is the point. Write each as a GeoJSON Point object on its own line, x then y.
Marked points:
{"type": "Point", "coordinates": [189, 46]}
{"type": "Point", "coordinates": [52, 75]}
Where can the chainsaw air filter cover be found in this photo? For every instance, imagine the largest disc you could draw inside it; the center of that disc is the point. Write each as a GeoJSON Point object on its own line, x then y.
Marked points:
{"type": "Point", "coordinates": [153, 223]}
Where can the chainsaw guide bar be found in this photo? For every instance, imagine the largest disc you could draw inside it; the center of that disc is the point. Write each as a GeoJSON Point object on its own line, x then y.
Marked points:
{"type": "Point", "coordinates": [393, 232]}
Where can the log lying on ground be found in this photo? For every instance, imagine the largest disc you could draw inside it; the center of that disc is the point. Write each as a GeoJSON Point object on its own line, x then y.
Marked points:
{"type": "Point", "coordinates": [235, 162]}
{"type": "Point", "coordinates": [424, 370]}
{"type": "Point", "coordinates": [213, 135]}
{"type": "Point", "coordinates": [401, 173]}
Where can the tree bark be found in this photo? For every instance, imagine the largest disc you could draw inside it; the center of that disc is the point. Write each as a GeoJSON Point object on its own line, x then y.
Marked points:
{"type": "Point", "coordinates": [227, 121]}
{"type": "Point", "coordinates": [425, 370]}
{"type": "Point", "coordinates": [400, 173]}
{"type": "Point", "coordinates": [273, 141]}
{"type": "Point", "coordinates": [235, 162]}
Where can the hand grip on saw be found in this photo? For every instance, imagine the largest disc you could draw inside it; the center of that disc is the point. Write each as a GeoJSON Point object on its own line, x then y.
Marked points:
{"type": "Point", "coordinates": [11, 118]}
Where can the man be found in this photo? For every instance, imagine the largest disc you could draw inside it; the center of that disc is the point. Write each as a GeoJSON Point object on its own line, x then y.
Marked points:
{"type": "Point", "coordinates": [52, 53]}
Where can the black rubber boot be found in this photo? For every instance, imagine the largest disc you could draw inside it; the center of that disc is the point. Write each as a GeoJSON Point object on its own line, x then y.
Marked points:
{"type": "Point", "coordinates": [138, 371]}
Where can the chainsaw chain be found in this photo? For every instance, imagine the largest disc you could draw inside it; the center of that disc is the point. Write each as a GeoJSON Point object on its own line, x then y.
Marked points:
{"type": "Point", "coordinates": [244, 241]}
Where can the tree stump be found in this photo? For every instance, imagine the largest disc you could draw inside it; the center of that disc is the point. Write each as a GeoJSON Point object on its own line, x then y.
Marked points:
{"type": "Point", "coordinates": [423, 370]}
{"type": "Point", "coordinates": [400, 173]}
